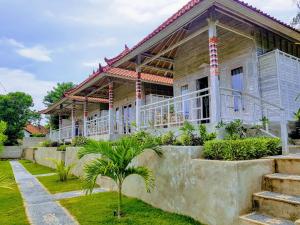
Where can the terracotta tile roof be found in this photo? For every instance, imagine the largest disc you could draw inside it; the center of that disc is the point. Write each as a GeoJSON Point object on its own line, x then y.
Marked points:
{"type": "Point", "coordinates": [146, 77]}
{"type": "Point", "coordinates": [36, 129]}
{"type": "Point", "coordinates": [186, 8]}
{"type": "Point", "coordinates": [89, 99]}
{"type": "Point", "coordinates": [123, 73]}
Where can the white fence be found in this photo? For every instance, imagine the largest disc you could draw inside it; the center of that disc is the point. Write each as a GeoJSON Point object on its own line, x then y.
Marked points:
{"type": "Point", "coordinates": [98, 126]}
{"type": "Point", "coordinates": [193, 107]}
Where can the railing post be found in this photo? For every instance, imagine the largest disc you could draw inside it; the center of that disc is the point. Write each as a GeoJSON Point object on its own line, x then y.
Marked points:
{"type": "Point", "coordinates": [138, 91]}
{"type": "Point", "coordinates": [59, 127]}
{"type": "Point", "coordinates": [111, 106]}
{"type": "Point", "coordinates": [284, 133]}
{"type": "Point", "coordinates": [214, 72]}
{"type": "Point", "coordinates": [73, 132]}
{"type": "Point", "coordinates": [85, 114]}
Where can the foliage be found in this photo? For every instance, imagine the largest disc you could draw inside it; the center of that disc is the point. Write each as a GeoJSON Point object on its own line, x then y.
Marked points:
{"type": "Point", "coordinates": [146, 137]}
{"type": "Point", "coordinates": [241, 149]}
{"type": "Point", "coordinates": [234, 129]}
{"type": "Point", "coordinates": [187, 137]}
{"type": "Point", "coordinates": [204, 135]}
{"type": "Point", "coordinates": [168, 138]}
{"type": "Point", "coordinates": [265, 121]}
{"type": "Point", "coordinates": [3, 137]}
{"type": "Point", "coordinates": [55, 95]}
{"type": "Point", "coordinates": [297, 115]}
{"type": "Point", "coordinates": [62, 148]}
{"type": "Point", "coordinates": [46, 143]}
{"type": "Point", "coordinates": [62, 170]}
{"type": "Point", "coordinates": [35, 168]}
{"type": "Point", "coordinates": [98, 207]}
{"type": "Point", "coordinates": [15, 111]}
{"type": "Point", "coordinates": [79, 141]}
{"type": "Point", "coordinates": [115, 161]}
{"type": "Point", "coordinates": [38, 135]}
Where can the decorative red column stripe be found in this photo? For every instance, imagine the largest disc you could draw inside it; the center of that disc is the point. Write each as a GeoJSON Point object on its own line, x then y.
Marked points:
{"type": "Point", "coordinates": [111, 95]}
{"type": "Point", "coordinates": [213, 55]}
{"type": "Point", "coordinates": [138, 86]}
{"type": "Point", "coordinates": [86, 108]}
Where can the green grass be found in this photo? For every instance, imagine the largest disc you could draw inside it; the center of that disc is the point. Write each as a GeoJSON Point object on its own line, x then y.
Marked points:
{"type": "Point", "coordinates": [12, 211]}
{"type": "Point", "coordinates": [98, 209]}
{"type": "Point", "coordinates": [53, 184]}
{"type": "Point", "coordinates": [35, 168]}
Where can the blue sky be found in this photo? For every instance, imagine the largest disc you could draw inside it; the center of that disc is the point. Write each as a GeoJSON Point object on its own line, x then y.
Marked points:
{"type": "Point", "coordinates": [43, 42]}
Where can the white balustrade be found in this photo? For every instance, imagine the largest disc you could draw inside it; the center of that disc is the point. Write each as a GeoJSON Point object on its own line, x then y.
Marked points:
{"type": "Point", "coordinates": [98, 126]}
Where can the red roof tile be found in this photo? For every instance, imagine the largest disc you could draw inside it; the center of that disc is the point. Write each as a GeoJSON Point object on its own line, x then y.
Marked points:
{"type": "Point", "coordinates": [36, 129]}
{"type": "Point", "coordinates": [186, 8]}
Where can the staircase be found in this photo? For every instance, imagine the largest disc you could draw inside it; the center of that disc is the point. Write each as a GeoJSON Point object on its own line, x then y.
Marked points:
{"type": "Point", "coordinates": [279, 203]}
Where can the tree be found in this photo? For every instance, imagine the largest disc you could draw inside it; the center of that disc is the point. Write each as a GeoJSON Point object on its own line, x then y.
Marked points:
{"type": "Point", "coordinates": [3, 137]}
{"type": "Point", "coordinates": [15, 111]}
{"type": "Point", "coordinates": [5, 182]}
{"type": "Point", "coordinates": [296, 20]}
{"type": "Point", "coordinates": [115, 162]}
{"type": "Point", "coordinates": [55, 95]}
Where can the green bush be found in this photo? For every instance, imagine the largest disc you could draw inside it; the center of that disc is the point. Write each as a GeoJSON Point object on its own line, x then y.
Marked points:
{"type": "Point", "coordinates": [204, 135]}
{"type": "Point", "coordinates": [38, 135]}
{"type": "Point", "coordinates": [46, 143]}
{"type": "Point", "coordinates": [62, 148]}
{"type": "Point", "coordinates": [234, 130]}
{"type": "Point", "coordinates": [168, 138]}
{"type": "Point", "coordinates": [79, 141]}
{"type": "Point", "coordinates": [241, 149]}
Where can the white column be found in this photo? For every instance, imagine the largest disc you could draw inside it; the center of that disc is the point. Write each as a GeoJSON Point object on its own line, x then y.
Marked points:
{"type": "Point", "coordinates": [73, 120]}
{"type": "Point", "coordinates": [85, 114]}
{"type": "Point", "coordinates": [284, 133]}
{"type": "Point", "coordinates": [111, 107]}
{"type": "Point", "coordinates": [214, 73]}
{"type": "Point", "coordinates": [138, 91]}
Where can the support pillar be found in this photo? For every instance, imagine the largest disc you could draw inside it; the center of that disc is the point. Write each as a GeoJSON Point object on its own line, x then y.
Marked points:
{"type": "Point", "coordinates": [85, 114]}
{"type": "Point", "coordinates": [73, 120]}
{"type": "Point", "coordinates": [138, 91]}
{"type": "Point", "coordinates": [284, 133]}
{"type": "Point", "coordinates": [59, 127]}
{"type": "Point", "coordinates": [111, 108]}
{"type": "Point", "coordinates": [215, 116]}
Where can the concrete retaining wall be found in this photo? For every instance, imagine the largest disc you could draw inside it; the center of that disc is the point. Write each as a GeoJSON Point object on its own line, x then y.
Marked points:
{"type": "Point", "coordinates": [11, 152]}
{"type": "Point", "coordinates": [31, 142]}
{"type": "Point", "coordinates": [43, 154]}
{"type": "Point", "coordinates": [212, 192]}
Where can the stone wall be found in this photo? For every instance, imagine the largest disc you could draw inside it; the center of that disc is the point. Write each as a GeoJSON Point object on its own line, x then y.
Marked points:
{"type": "Point", "coordinates": [43, 154]}
{"type": "Point", "coordinates": [11, 152]}
{"type": "Point", "coordinates": [30, 142]}
{"type": "Point", "coordinates": [213, 192]}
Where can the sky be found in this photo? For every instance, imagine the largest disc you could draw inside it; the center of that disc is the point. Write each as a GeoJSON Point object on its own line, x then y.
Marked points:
{"type": "Point", "coordinates": [43, 42]}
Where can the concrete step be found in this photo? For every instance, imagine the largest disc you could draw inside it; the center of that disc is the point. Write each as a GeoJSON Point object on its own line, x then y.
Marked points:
{"type": "Point", "coordinates": [282, 183]}
{"type": "Point", "coordinates": [287, 164]}
{"type": "Point", "coordinates": [277, 205]}
{"type": "Point", "coordinates": [261, 219]}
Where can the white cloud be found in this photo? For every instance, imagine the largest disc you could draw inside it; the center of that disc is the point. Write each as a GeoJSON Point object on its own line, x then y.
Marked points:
{"type": "Point", "coordinates": [37, 52]}
{"type": "Point", "coordinates": [93, 63]}
{"type": "Point", "coordinates": [19, 80]}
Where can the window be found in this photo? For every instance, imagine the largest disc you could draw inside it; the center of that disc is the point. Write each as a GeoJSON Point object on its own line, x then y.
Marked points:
{"type": "Point", "coordinates": [185, 102]}
{"type": "Point", "coordinates": [237, 86]}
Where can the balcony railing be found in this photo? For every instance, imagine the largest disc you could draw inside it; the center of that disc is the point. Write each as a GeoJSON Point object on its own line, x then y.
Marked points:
{"type": "Point", "coordinates": [192, 107]}
{"type": "Point", "coordinates": [98, 126]}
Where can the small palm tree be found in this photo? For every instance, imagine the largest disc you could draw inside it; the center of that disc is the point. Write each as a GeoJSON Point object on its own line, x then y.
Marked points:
{"type": "Point", "coordinates": [115, 162]}
{"type": "Point", "coordinates": [62, 170]}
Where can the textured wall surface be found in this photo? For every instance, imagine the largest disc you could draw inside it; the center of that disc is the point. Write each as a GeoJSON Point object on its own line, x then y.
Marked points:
{"type": "Point", "coordinates": [30, 142]}
{"type": "Point", "coordinates": [43, 154]}
{"type": "Point", "coordinates": [11, 152]}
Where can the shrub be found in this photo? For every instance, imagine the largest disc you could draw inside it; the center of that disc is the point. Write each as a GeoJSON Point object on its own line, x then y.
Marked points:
{"type": "Point", "coordinates": [62, 170]}
{"type": "Point", "coordinates": [188, 138]}
{"type": "Point", "coordinates": [204, 135]}
{"type": "Point", "coordinates": [62, 148]}
{"type": "Point", "coordinates": [168, 138]}
{"type": "Point", "coordinates": [38, 135]}
{"type": "Point", "coordinates": [242, 149]}
{"type": "Point", "coordinates": [46, 143]}
{"type": "Point", "coordinates": [54, 144]}
{"type": "Point", "coordinates": [234, 130]}
{"type": "Point", "coordinates": [79, 141]}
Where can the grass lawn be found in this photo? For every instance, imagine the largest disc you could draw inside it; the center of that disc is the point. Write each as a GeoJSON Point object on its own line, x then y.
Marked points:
{"type": "Point", "coordinates": [53, 184]}
{"type": "Point", "coordinates": [98, 209]}
{"type": "Point", "coordinates": [35, 168]}
{"type": "Point", "coordinates": [12, 211]}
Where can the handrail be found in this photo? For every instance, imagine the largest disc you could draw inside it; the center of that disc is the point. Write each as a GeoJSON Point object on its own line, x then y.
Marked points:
{"type": "Point", "coordinates": [253, 96]}
{"type": "Point", "coordinates": [176, 97]}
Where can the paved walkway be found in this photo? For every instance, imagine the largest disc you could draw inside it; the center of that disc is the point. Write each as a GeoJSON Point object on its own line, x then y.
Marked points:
{"type": "Point", "coordinates": [40, 205]}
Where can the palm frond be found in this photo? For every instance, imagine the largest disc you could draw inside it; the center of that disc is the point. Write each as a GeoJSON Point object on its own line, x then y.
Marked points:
{"type": "Point", "coordinates": [95, 147]}
{"type": "Point", "coordinates": [98, 167]}
{"type": "Point", "coordinates": [145, 173]}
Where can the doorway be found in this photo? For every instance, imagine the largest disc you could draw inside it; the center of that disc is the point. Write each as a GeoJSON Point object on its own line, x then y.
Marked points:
{"type": "Point", "coordinates": [203, 110]}
{"type": "Point", "coordinates": [127, 115]}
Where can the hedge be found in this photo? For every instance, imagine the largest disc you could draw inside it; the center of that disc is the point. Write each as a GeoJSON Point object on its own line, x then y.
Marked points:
{"type": "Point", "coordinates": [241, 149]}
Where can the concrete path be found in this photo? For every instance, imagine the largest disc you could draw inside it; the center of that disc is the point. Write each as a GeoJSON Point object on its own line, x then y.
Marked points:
{"type": "Point", "coordinates": [45, 175]}
{"type": "Point", "coordinates": [73, 194]}
{"type": "Point", "coordinates": [40, 206]}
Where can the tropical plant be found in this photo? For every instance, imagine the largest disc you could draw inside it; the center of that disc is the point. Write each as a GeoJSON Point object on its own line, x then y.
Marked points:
{"type": "Point", "coordinates": [297, 115]}
{"type": "Point", "coordinates": [234, 129]}
{"type": "Point", "coordinates": [265, 122]}
{"type": "Point", "coordinates": [116, 162]}
{"type": "Point", "coordinates": [46, 143]}
{"type": "Point", "coordinates": [168, 138]}
{"type": "Point", "coordinates": [62, 170]}
{"type": "Point", "coordinates": [204, 135]}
